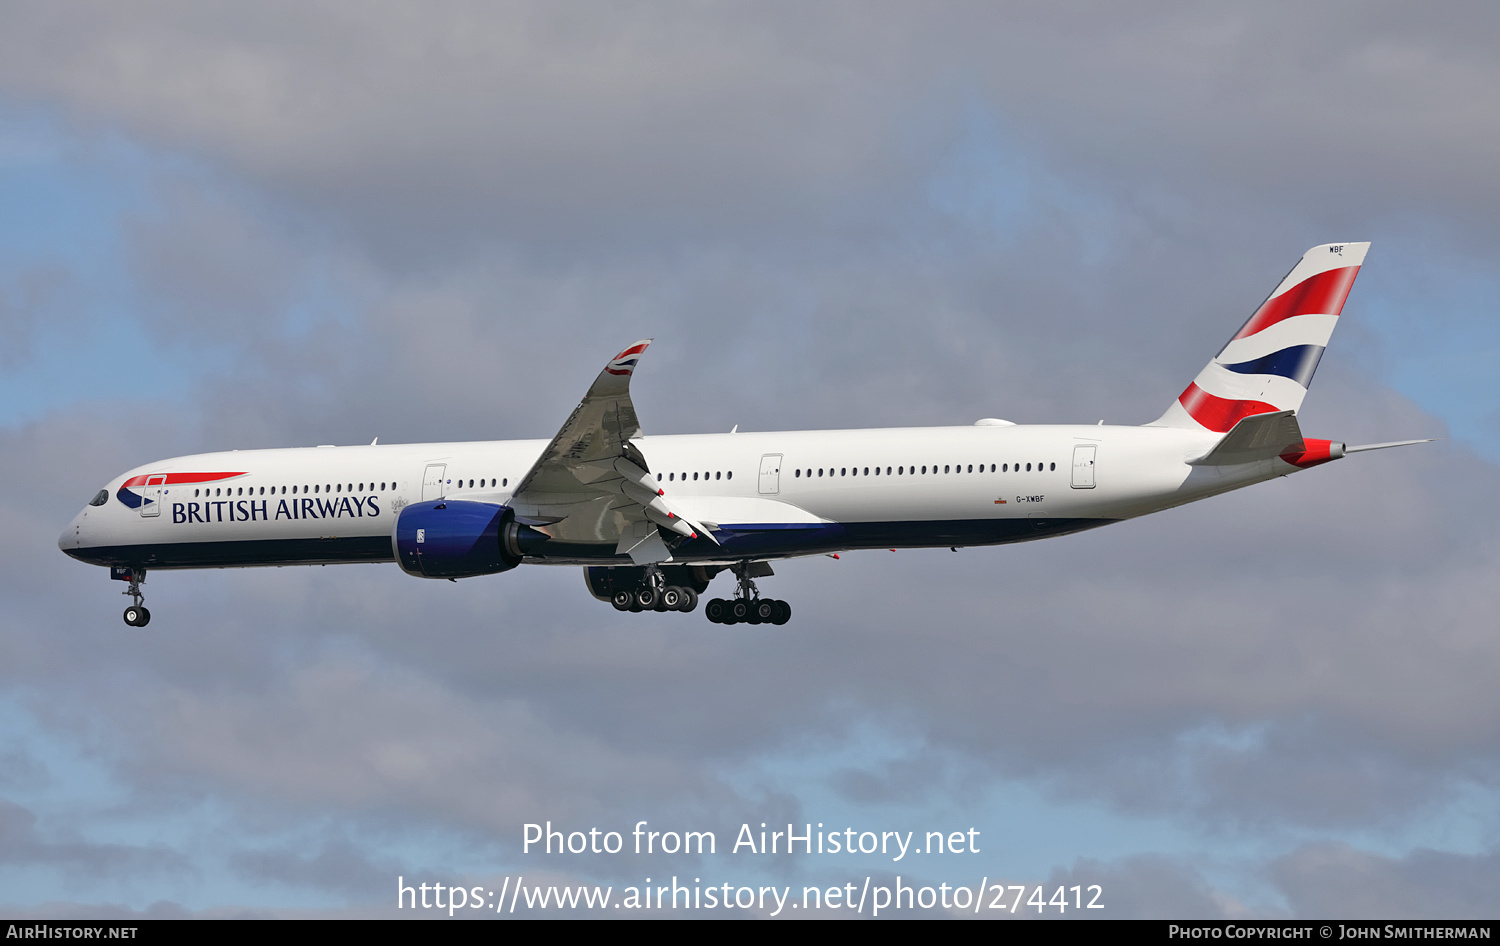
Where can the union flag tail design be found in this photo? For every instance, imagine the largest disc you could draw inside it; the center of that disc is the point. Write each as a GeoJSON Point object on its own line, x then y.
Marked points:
{"type": "Point", "coordinates": [1268, 364]}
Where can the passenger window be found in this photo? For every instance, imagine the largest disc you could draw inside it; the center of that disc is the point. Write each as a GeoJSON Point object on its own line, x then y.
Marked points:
{"type": "Point", "coordinates": [729, 475]}
{"type": "Point", "coordinates": [1054, 466]}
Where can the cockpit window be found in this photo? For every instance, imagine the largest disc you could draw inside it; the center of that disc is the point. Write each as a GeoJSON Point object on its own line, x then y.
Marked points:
{"type": "Point", "coordinates": [100, 498]}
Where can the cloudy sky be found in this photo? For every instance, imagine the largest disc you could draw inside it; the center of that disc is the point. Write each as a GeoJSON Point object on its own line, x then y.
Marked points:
{"type": "Point", "coordinates": [253, 225]}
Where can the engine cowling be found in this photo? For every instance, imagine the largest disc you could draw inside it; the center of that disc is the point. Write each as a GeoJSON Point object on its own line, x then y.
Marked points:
{"type": "Point", "coordinates": [448, 538]}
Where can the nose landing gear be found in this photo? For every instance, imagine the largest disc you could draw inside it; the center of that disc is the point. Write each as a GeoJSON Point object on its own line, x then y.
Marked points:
{"type": "Point", "coordinates": [136, 615]}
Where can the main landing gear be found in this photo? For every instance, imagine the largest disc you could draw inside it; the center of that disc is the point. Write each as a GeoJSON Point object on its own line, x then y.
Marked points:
{"type": "Point", "coordinates": [747, 606]}
{"type": "Point", "coordinates": [136, 615]}
{"type": "Point", "coordinates": [654, 594]}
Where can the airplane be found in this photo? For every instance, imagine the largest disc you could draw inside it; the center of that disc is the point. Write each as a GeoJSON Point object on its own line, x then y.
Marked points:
{"type": "Point", "coordinates": [653, 520]}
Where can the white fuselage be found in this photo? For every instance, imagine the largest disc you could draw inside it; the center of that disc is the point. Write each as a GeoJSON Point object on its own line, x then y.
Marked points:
{"type": "Point", "coordinates": [764, 495]}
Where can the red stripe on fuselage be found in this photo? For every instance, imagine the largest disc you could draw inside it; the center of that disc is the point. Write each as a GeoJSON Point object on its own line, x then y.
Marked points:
{"type": "Point", "coordinates": [176, 479]}
{"type": "Point", "coordinates": [1217, 413]}
{"type": "Point", "coordinates": [1323, 294]}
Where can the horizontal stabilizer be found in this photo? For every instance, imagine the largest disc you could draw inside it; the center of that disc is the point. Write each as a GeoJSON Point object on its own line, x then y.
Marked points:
{"type": "Point", "coordinates": [1257, 437]}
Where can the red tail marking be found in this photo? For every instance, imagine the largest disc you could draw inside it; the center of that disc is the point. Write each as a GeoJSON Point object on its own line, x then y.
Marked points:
{"type": "Point", "coordinates": [1217, 413]}
{"type": "Point", "coordinates": [1323, 294]}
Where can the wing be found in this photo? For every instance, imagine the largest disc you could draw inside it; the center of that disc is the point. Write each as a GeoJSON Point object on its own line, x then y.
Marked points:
{"type": "Point", "coordinates": [592, 485]}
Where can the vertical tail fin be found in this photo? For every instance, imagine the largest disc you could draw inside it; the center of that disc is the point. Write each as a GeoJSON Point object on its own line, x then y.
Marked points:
{"type": "Point", "coordinates": [1269, 362]}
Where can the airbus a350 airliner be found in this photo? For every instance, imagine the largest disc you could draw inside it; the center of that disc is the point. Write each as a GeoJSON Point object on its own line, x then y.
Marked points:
{"type": "Point", "coordinates": [654, 519]}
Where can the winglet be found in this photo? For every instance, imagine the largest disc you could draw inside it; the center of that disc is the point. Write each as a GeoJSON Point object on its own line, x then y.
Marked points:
{"type": "Point", "coordinates": [614, 380]}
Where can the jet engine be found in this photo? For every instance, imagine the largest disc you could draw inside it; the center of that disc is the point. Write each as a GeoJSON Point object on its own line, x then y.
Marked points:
{"type": "Point", "coordinates": [449, 538]}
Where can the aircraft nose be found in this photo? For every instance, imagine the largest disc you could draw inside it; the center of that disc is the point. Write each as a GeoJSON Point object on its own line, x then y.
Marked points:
{"type": "Point", "coordinates": [72, 536]}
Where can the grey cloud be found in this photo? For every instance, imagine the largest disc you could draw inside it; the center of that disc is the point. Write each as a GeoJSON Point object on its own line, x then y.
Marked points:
{"type": "Point", "coordinates": [1147, 887]}
{"type": "Point", "coordinates": [19, 768]}
{"type": "Point", "coordinates": [337, 865]}
{"type": "Point", "coordinates": [542, 124]}
{"type": "Point", "coordinates": [1332, 880]}
{"type": "Point", "coordinates": [29, 298]}
{"type": "Point", "coordinates": [23, 844]}
{"type": "Point", "coordinates": [66, 910]}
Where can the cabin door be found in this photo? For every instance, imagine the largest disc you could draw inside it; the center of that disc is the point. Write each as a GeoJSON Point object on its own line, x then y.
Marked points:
{"type": "Point", "coordinates": [151, 494]}
{"type": "Point", "coordinates": [770, 474]}
{"type": "Point", "coordinates": [432, 481]}
{"type": "Point", "coordinates": [1083, 465]}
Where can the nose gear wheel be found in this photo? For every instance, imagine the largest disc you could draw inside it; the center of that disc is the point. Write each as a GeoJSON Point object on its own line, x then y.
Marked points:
{"type": "Point", "coordinates": [136, 615]}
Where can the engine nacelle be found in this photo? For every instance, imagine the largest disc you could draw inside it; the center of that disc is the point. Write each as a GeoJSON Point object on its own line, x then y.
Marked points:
{"type": "Point", "coordinates": [448, 538]}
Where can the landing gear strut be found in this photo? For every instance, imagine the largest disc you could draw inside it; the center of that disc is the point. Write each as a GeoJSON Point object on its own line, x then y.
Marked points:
{"type": "Point", "coordinates": [747, 606]}
{"type": "Point", "coordinates": [136, 615]}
